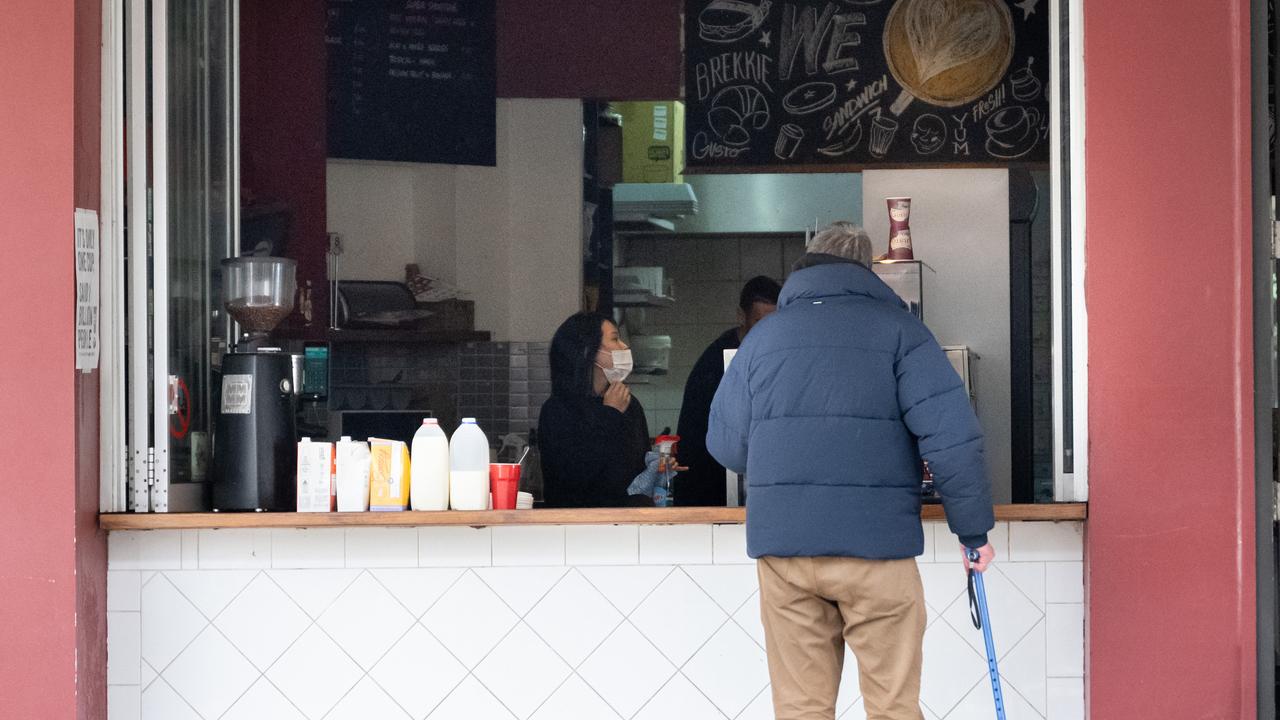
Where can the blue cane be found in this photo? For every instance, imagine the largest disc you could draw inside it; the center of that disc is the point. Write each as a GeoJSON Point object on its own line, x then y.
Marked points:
{"type": "Point", "coordinates": [981, 619]}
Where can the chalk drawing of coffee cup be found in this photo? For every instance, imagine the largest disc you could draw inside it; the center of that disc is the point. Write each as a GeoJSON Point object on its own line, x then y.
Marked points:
{"type": "Point", "coordinates": [790, 136]}
{"type": "Point", "coordinates": [883, 128]}
{"type": "Point", "coordinates": [1013, 131]}
{"type": "Point", "coordinates": [1026, 87]}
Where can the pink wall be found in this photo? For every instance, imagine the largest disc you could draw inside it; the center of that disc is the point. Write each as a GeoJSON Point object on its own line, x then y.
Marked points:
{"type": "Point", "coordinates": [609, 49]}
{"type": "Point", "coordinates": [37, 386]}
{"type": "Point", "coordinates": [1170, 545]}
{"type": "Point", "coordinates": [283, 129]}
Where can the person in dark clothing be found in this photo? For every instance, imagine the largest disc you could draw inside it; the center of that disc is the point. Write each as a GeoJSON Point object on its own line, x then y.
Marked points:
{"type": "Point", "coordinates": [704, 482]}
{"type": "Point", "coordinates": [593, 434]}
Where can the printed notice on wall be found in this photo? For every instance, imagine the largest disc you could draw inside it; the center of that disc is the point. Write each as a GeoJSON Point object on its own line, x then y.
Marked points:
{"type": "Point", "coordinates": [87, 340]}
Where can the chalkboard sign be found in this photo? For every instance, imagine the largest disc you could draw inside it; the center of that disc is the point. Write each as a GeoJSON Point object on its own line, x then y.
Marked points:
{"type": "Point", "coordinates": [412, 80]}
{"type": "Point", "coordinates": [888, 83]}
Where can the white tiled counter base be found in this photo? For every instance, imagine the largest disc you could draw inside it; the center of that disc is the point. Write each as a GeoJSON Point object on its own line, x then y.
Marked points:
{"type": "Point", "coordinates": [556, 622]}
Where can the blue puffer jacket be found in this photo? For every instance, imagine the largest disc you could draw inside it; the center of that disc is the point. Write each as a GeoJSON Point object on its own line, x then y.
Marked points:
{"type": "Point", "coordinates": [828, 408]}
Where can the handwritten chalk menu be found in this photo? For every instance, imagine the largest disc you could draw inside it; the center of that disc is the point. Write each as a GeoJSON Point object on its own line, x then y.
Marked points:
{"type": "Point", "coordinates": [412, 80]}
{"type": "Point", "coordinates": [866, 82]}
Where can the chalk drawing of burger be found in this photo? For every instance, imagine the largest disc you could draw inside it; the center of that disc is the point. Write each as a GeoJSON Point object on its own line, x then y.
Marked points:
{"type": "Point", "coordinates": [724, 21]}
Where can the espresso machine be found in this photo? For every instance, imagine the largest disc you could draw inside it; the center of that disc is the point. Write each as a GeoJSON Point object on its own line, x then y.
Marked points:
{"type": "Point", "coordinates": [254, 440]}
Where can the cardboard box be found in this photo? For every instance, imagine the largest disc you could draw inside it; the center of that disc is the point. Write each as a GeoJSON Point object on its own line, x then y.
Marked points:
{"type": "Point", "coordinates": [388, 475]}
{"type": "Point", "coordinates": [652, 141]}
{"type": "Point", "coordinates": [315, 476]}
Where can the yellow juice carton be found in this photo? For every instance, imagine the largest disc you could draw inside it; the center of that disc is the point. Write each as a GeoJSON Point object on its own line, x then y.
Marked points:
{"type": "Point", "coordinates": [388, 475]}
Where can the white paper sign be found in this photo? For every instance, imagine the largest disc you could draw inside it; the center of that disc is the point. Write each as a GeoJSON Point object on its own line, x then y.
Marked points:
{"type": "Point", "coordinates": [87, 339]}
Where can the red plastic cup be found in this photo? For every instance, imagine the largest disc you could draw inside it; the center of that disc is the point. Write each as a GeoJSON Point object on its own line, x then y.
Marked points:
{"type": "Point", "coordinates": [504, 481]}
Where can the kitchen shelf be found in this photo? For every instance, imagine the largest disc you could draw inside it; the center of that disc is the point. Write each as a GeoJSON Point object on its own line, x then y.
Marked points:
{"type": "Point", "coordinates": [436, 337]}
{"type": "Point", "coordinates": [642, 299]}
{"type": "Point", "coordinates": [581, 516]}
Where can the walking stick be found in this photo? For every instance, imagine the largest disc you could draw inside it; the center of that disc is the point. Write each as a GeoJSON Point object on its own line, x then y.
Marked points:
{"type": "Point", "coordinates": [982, 620]}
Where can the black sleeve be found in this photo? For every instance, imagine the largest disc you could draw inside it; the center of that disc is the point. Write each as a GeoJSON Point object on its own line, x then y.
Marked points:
{"type": "Point", "coordinates": [704, 482]}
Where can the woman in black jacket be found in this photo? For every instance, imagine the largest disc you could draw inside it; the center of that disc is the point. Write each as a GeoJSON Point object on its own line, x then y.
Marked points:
{"type": "Point", "coordinates": [592, 434]}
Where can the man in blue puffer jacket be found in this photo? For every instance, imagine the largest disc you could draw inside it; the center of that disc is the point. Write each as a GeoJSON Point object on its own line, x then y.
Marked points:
{"type": "Point", "coordinates": [828, 408]}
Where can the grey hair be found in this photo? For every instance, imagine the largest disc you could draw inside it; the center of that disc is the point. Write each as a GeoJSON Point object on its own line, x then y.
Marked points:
{"type": "Point", "coordinates": [843, 239]}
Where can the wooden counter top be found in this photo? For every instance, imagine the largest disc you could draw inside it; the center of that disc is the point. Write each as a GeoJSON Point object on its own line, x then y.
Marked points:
{"type": "Point", "coordinates": [584, 516]}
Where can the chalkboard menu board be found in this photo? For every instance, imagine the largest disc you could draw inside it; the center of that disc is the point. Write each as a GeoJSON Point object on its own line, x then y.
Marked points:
{"type": "Point", "coordinates": [889, 83]}
{"type": "Point", "coordinates": [412, 80]}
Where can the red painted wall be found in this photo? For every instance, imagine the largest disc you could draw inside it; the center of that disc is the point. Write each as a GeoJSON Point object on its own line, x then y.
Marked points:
{"type": "Point", "coordinates": [283, 141]}
{"type": "Point", "coordinates": [609, 49]}
{"type": "Point", "coordinates": [91, 541]}
{"type": "Point", "coordinates": [37, 386]}
{"type": "Point", "coordinates": [1170, 544]}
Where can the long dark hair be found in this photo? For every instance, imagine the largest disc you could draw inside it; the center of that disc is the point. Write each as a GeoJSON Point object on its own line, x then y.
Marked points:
{"type": "Point", "coordinates": [573, 355]}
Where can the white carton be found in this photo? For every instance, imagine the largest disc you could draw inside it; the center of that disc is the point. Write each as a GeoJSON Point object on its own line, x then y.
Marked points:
{"type": "Point", "coordinates": [315, 476]}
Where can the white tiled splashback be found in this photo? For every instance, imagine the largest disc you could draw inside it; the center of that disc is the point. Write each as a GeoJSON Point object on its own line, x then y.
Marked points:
{"type": "Point", "coordinates": [547, 623]}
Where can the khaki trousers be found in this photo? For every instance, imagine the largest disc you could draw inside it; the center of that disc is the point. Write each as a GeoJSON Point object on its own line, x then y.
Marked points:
{"type": "Point", "coordinates": [812, 606]}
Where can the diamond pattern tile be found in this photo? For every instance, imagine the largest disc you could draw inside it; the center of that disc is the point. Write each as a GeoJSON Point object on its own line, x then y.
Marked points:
{"type": "Point", "coordinates": [521, 587]}
{"type": "Point", "coordinates": [1012, 615]}
{"type": "Point", "coordinates": [418, 589]}
{"type": "Point", "coordinates": [210, 693]}
{"type": "Point", "coordinates": [730, 669]}
{"type": "Point", "coordinates": [626, 670]}
{"type": "Point", "coordinates": [314, 674]}
{"type": "Point", "coordinates": [856, 711]}
{"type": "Point", "coordinates": [760, 708]}
{"type": "Point", "coordinates": [418, 672]}
{"type": "Point", "coordinates": [980, 705]}
{"type": "Point", "coordinates": [469, 619]}
{"type": "Point", "coordinates": [366, 700]}
{"type": "Point", "coordinates": [262, 621]}
{"type": "Point", "coordinates": [575, 699]}
{"type": "Point", "coordinates": [314, 590]}
{"type": "Point", "coordinates": [366, 620]}
{"type": "Point", "coordinates": [169, 622]}
{"type": "Point", "coordinates": [678, 617]}
{"type": "Point", "coordinates": [748, 618]}
{"type": "Point", "coordinates": [951, 668]}
{"type": "Point", "coordinates": [161, 703]}
{"type": "Point", "coordinates": [574, 618]}
{"type": "Point", "coordinates": [471, 701]}
{"type": "Point", "coordinates": [1028, 577]}
{"type": "Point", "coordinates": [522, 671]}
{"type": "Point", "coordinates": [679, 700]}
{"type": "Point", "coordinates": [1024, 666]}
{"type": "Point", "coordinates": [944, 583]}
{"type": "Point", "coordinates": [445, 643]}
{"type": "Point", "coordinates": [210, 590]}
{"type": "Point", "coordinates": [262, 701]}
{"type": "Point", "coordinates": [626, 586]}
{"type": "Point", "coordinates": [729, 585]}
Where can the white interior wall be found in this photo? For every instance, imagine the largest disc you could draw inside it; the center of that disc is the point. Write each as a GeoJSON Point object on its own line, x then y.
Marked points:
{"type": "Point", "coordinates": [509, 235]}
{"type": "Point", "coordinates": [544, 240]}
{"type": "Point", "coordinates": [960, 226]}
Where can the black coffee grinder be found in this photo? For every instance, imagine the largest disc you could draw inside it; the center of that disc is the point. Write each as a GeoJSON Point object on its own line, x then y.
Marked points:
{"type": "Point", "coordinates": [254, 440]}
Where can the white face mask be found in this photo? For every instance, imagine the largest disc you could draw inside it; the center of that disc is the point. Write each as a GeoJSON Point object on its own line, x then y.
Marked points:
{"type": "Point", "coordinates": [622, 366]}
